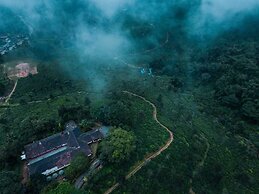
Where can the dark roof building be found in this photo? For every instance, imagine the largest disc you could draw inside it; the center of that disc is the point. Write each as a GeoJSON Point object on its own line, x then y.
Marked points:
{"type": "Point", "coordinates": [54, 153]}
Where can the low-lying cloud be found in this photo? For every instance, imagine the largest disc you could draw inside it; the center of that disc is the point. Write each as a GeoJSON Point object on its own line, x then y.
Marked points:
{"type": "Point", "coordinates": [103, 29]}
{"type": "Point", "coordinates": [111, 7]}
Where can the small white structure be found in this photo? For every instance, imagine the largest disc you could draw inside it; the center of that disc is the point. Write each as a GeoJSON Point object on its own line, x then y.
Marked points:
{"type": "Point", "coordinates": [23, 156]}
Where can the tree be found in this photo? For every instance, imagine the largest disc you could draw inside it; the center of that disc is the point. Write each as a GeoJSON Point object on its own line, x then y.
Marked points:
{"type": "Point", "coordinates": [2, 89]}
{"type": "Point", "coordinates": [160, 101]}
{"type": "Point", "coordinates": [118, 146]}
{"type": "Point", "coordinates": [9, 182]}
{"type": "Point", "coordinates": [116, 114]}
{"type": "Point", "coordinates": [157, 64]}
{"type": "Point", "coordinates": [23, 101]}
{"type": "Point", "coordinates": [36, 184]}
{"type": "Point", "coordinates": [87, 101]}
{"type": "Point", "coordinates": [75, 113]}
{"type": "Point", "coordinates": [251, 110]}
{"type": "Point", "coordinates": [63, 188]}
{"type": "Point", "coordinates": [176, 83]}
{"type": "Point", "coordinates": [1, 59]}
{"type": "Point", "coordinates": [86, 124]}
{"type": "Point", "coordinates": [80, 163]}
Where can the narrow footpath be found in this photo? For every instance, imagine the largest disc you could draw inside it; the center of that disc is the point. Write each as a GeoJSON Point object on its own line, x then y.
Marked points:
{"type": "Point", "coordinates": [199, 165]}
{"type": "Point", "coordinates": [11, 93]}
{"type": "Point", "coordinates": [152, 156]}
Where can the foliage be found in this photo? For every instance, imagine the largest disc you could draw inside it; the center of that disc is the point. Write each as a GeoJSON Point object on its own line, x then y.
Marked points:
{"type": "Point", "coordinates": [76, 113]}
{"type": "Point", "coordinates": [1, 60]}
{"type": "Point", "coordinates": [10, 182]}
{"type": "Point", "coordinates": [234, 70]}
{"type": "Point", "coordinates": [63, 188]}
{"type": "Point", "coordinates": [86, 124]}
{"type": "Point", "coordinates": [87, 101]}
{"type": "Point", "coordinates": [2, 89]}
{"type": "Point", "coordinates": [118, 146]}
{"type": "Point", "coordinates": [160, 101]}
{"type": "Point", "coordinates": [51, 82]}
{"type": "Point", "coordinates": [4, 81]}
{"type": "Point", "coordinates": [116, 114]}
{"type": "Point", "coordinates": [36, 183]}
{"type": "Point", "coordinates": [176, 83]}
{"type": "Point", "coordinates": [30, 129]}
{"type": "Point", "coordinates": [78, 165]}
{"type": "Point", "coordinates": [221, 104]}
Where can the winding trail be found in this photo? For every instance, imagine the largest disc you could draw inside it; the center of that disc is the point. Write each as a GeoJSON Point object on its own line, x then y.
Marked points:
{"type": "Point", "coordinates": [200, 164]}
{"type": "Point", "coordinates": [11, 93]}
{"type": "Point", "coordinates": [153, 155]}
{"type": "Point", "coordinates": [7, 98]}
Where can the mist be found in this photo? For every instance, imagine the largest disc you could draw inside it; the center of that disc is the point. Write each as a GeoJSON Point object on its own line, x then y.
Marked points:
{"type": "Point", "coordinates": [221, 10]}
{"type": "Point", "coordinates": [97, 31]}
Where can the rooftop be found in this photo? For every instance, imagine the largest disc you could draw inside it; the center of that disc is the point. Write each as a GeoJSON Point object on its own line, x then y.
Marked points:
{"type": "Point", "coordinates": [51, 143]}
{"type": "Point", "coordinates": [56, 152]}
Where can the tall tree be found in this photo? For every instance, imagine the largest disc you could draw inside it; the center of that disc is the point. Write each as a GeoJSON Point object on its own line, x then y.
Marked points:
{"type": "Point", "coordinates": [118, 146]}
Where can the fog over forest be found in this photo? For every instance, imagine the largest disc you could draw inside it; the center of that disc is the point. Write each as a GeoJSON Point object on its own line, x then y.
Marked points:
{"type": "Point", "coordinates": [176, 80]}
{"type": "Point", "coordinates": [101, 29]}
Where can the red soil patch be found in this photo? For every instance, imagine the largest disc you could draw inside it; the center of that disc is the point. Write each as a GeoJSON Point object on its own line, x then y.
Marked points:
{"type": "Point", "coordinates": [21, 70]}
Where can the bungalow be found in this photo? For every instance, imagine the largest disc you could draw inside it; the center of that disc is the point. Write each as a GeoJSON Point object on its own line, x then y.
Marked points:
{"type": "Point", "coordinates": [51, 155]}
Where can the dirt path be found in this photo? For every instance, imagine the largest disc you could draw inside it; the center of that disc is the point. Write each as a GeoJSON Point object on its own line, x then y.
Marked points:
{"type": "Point", "coordinates": [11, 93]}
{"type": "Point", "coordinates": [199, 165]}
{"type": "Point", "coordinates": [7, 98]}
{"type": "Point", "coordinates": [153, 155]}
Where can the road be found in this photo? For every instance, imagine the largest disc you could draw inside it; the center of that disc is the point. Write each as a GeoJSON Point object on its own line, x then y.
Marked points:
{"type": "Point", "coordinates": [80, 180]}
{"type": "Point", "coordinates": [153, 155]}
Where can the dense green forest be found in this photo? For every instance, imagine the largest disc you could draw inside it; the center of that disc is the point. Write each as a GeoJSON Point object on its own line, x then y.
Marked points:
{"type": "Point", "coordinates": [204, 85]}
